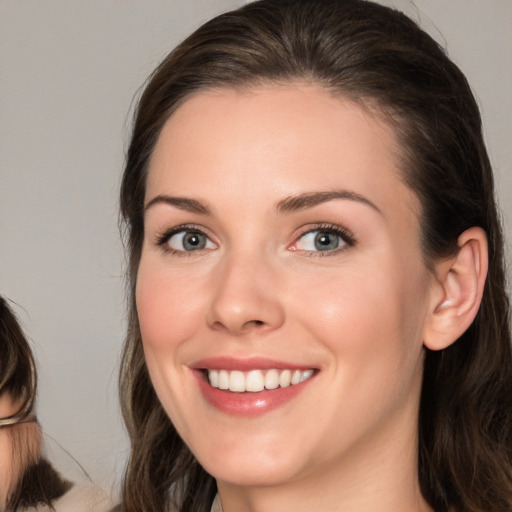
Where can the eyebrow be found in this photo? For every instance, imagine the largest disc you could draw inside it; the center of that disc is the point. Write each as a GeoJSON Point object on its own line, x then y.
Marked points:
{"type": "Point", "coordinates": [183, 203]}
{"type": "Point", "coordinates": [311, 199]}
{"type": "Point", "coordinates": [287, 205]}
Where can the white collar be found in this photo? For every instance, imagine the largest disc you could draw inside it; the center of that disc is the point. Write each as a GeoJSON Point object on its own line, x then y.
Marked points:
{"type": "Point", "coordinates": [216, 506]}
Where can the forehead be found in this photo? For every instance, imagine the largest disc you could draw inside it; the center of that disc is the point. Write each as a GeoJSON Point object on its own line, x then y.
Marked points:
{"type": "Point", "coordinates": [281, 140]}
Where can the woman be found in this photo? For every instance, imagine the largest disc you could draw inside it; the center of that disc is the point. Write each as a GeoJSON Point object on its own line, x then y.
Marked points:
{"type": "Point", "coordinates": [28, 481]}
{"type": "Point", "coordinates": [318, 315]}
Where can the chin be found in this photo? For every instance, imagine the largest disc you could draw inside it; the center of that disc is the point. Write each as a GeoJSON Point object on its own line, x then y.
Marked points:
{"type": "Point", "coordinates": [252, 475]}
{"type": "Point", "coordinates": [251, 468]}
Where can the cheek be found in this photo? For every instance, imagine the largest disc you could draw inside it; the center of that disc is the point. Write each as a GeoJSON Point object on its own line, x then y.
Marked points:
{"type": "Point", "coordinates": [374, 312]}
{"type": "Point", "coordinates": [168, 318]}
{"type": "Point", "coordinates": [168, 306]}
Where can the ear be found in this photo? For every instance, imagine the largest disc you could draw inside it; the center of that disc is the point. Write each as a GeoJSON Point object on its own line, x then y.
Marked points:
{"type": "Point", "coordinates": [457, 291]}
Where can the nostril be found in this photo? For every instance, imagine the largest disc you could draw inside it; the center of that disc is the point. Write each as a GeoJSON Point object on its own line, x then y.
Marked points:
{"type": "Point", "coordinates": [246, 326]}
{"type": "Point", "coordinates": [253, 324]}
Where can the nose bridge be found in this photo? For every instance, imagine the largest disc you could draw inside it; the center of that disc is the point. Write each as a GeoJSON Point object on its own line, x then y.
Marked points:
{"type": "Point", "coordinates": [245, 297]}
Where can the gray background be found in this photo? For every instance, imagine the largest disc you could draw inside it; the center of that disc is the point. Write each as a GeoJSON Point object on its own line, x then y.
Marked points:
{"type": "Point", "coordinates": [68, 73]}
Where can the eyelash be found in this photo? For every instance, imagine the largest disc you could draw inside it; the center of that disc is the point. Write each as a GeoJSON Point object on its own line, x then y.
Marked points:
{"type": "Point", "coordinates": [346, 236]}
{"type": "Point", "coordinates": [163, 238]}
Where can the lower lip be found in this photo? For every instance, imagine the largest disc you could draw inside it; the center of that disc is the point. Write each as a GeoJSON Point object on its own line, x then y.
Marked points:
{"type": "Point", "coordinates": [249, 404]}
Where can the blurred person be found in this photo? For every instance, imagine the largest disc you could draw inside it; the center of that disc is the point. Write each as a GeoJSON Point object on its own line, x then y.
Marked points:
{"type": "Point", "coordinates": [28, 481]}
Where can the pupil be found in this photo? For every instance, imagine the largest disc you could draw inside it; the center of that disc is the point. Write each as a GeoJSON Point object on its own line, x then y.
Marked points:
{"type": "Point", "coordinates": [194, 241]}
{"type": "Point", "coordinates": [325, 241]}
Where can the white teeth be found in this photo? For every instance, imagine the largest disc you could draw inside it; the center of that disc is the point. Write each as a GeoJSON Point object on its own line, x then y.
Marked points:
{"type": "Point", "coordinates": [271, 379]}
{"type": "Point", "coordinates": [223, 379]}
{"type": "Point", "coordinates": [306, 375]}
{"type": "Point", "coordinates": [285, 378]}
{"type": "Point", "coordinates": [256, 380]}
{"type": "Point", "coordinates": [213, 375]}
{"type": "Point", "coordinates": [237, 382]}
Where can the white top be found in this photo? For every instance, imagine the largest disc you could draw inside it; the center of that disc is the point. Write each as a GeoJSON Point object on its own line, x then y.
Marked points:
{"type": "Point", "coordinates": [216, 505]}
{"type": "Point", "coordinates": [84, 496]}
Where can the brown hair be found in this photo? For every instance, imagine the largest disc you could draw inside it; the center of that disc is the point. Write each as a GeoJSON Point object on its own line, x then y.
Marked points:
{"type": "Point", "coordinates": [34, 481]}
{"type": "Point", "coordinates": [380, 58]}
{"type": "Point", "coordinates": [18, 377]}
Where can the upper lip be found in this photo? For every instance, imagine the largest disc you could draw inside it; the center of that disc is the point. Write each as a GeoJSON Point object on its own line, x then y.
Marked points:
{"type": "Point", "coordinates": [246, 364]}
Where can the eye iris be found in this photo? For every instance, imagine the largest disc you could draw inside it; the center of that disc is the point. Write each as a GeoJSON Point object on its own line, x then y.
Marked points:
{"type": "Point", "coordinates": [194, 241]}
{"type": "Point", "coordinates": [326, 241]}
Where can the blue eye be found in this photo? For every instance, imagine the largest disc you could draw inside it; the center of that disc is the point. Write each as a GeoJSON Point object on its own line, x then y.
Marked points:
{"type": "Point", "coordinates": [189, 241]}
{"type": "Point", "coordinates": [323, 240]}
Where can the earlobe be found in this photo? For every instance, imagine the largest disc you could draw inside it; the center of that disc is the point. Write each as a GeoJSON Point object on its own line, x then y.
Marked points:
{"type": "Point", "coordinates": [457, 291]}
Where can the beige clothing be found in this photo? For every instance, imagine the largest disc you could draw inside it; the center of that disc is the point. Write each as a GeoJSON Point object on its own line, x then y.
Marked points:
{"type": "Point", "coordinates": [216, 506]}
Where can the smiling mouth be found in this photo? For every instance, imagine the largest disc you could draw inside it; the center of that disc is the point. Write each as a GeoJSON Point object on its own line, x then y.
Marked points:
{"type": "Point", "coordinates": [254, 381]}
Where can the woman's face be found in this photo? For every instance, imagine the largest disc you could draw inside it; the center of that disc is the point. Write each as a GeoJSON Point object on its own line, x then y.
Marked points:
{"type": "Point", "coordinates": [280, 244]}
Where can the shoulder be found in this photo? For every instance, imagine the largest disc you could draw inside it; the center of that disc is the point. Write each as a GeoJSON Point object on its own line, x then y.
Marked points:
{"type": "Point", "coordinates": [83, 498]}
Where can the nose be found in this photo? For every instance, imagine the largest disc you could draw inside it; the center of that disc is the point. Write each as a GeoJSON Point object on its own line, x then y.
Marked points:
{"type": "Point", "coordinates": [245, 298]}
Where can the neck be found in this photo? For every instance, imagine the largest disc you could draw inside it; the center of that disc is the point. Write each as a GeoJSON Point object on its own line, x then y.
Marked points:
{"type": "Point", "coordinates": [380, 473]}
{"type": "Point", "coordinates": [385, 488]}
